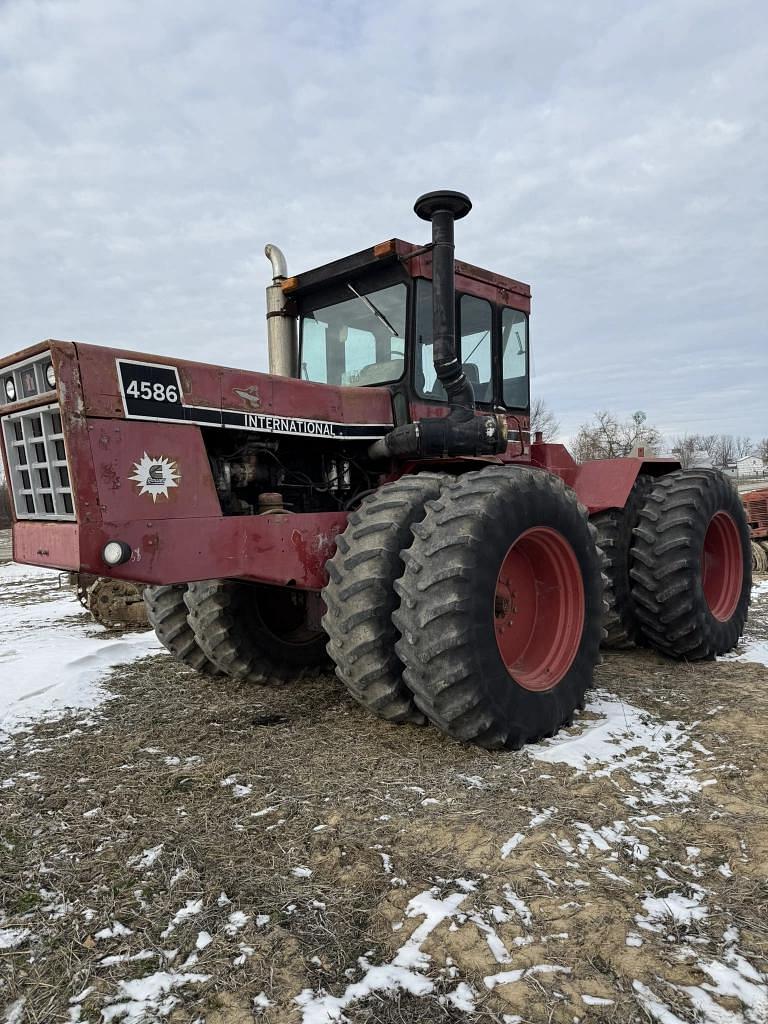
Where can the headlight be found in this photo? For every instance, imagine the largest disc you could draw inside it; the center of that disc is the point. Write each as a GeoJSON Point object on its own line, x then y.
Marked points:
{"type": "Point", "coordinates": [50, 375]}
{"type": "Point", "coordinates": [115, 552]}
{"type": "Point", "coordinates": [10, 390]}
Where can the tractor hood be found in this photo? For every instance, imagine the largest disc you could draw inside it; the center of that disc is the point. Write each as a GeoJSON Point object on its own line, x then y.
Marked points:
{"type": "Point", "coordinates": [130, 385]}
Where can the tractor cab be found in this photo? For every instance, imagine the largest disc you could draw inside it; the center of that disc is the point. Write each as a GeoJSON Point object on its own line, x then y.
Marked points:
{"type": "Point", "coordinates": [367, 320]}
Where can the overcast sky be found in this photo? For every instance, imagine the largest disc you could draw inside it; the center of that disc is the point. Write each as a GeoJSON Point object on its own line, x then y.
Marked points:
{"type": "Point", "coordinates": [616, 154]}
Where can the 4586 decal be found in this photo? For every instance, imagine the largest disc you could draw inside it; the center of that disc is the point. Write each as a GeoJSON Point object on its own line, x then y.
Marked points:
{"type": "Point", "coordinates": [149, 391]}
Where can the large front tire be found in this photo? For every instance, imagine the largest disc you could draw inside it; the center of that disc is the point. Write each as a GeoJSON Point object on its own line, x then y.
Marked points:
{"type": "Point", "coordinates": [501, 607]}
{"type": "Point", "coordinates": [167, 614]}
{"type": "Point", "coordinates": [692, 565]}
{"type": "Point", "coordinates": [254, 632]}
{"type": "Point", "coordinates": [360, 596]}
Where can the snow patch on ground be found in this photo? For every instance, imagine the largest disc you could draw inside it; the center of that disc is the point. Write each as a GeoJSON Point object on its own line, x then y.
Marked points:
{"type": "Point", "coordinates": [137, 999]}
{"type": "Point", "coordinates": [624, 738]}
{"type": "Point", "coordinates": [732, 977]}
{"type": "Point", "coordinates": [405, 972]}
{"type": "Point", "coordinates": [53, 656]}
{"type": "Point", "coordinates": [753, 648]}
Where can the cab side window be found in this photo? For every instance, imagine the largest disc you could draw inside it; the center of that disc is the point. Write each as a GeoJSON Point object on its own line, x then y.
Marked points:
{"type": "Point", "coordinates": [514, 348]}
{"type": "Point", "coordinates": [475, 324]}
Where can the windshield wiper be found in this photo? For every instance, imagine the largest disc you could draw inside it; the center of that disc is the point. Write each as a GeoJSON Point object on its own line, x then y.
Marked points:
{"type": "Point", "coordinates": [376, 312]}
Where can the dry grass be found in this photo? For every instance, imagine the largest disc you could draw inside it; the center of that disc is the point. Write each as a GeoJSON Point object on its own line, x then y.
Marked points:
{"type": "Point", "coordinates": [342, 789]}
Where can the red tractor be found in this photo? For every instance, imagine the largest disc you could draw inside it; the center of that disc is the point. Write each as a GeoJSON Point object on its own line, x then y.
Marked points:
{"type": "Point", "coordinates": [375, 498]}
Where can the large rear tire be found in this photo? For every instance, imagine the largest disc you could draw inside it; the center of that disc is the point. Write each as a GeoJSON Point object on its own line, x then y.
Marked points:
{"type": "Point", "coordinates": [360, 596]}
{"type": "Point", "coordinates": [692, 565]}
{"type": "Point", "coordinates": [255, 632]}
{"type": "Point", "coordinates": [501, 607]}
{"type": "Point", "coordinates": [167, 614]}
{"type": "Point", "coordinates": [614, 537]}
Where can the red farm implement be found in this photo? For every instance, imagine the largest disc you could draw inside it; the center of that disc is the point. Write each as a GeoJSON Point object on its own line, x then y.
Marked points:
{"type": "Point", "coordinates": [756, 509]}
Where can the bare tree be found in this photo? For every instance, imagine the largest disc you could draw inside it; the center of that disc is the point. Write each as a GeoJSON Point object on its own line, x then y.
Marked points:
{"type": "Point", "coordinates": [743, 446]}
{"type": "Point", "coordinates": [607, 437]}
{"type": "Point", "coordinates": [725, 451]}
{"type": "Point", "coordinates": [708, 443]}
{"type": "Point", "coordinates": [762, 449]}
{"type": "Point", "coordinates": [685, 447]}
{"type": "Point", "coordinates": [543, 419]}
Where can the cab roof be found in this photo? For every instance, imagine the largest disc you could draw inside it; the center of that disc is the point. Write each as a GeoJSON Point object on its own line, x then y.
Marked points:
{"type": "Point", "coordinates": [417, 260]}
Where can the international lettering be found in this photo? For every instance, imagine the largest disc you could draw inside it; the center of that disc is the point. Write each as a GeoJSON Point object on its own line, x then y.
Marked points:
{"type": "Point", "coordinates": [287, 425]}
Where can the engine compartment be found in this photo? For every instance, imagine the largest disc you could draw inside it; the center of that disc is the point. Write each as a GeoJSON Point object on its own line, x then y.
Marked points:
{"type": "Point", "coordinates": [256, 474]}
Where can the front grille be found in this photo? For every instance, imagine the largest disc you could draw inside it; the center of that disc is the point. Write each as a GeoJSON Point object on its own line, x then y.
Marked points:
{"type": "Point", "coordinates": [37, 460]}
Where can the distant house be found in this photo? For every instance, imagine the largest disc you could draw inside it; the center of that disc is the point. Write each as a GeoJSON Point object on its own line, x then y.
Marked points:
{"type": "Point", "coordinates": [747, 465]}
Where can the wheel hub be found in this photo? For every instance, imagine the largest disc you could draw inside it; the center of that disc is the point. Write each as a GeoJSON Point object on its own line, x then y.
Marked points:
{"type": "Point", "coordinates": [722, 569]}
{"type": "Point", "coordinates": [538, 608]}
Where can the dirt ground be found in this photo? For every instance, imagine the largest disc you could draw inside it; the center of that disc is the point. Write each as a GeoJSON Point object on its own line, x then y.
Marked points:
{"type": "Point", "coordinates": [202, 851]}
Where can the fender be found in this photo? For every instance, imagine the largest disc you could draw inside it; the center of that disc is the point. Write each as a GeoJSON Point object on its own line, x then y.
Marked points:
{"type": "Point", "coordinates": [600, 483]}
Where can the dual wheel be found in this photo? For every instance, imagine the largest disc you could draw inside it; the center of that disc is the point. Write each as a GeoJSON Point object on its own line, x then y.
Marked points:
{"type": "Point", "coordinates": [679, 563]}
{"type": "Point", "coordinates": [474, 602]}
{"type": "Point", "coordinates": [251, 632]}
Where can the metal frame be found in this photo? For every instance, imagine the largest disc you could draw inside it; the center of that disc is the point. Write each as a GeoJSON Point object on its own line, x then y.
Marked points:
{"type": "Point", "coordinates": [41, 487]}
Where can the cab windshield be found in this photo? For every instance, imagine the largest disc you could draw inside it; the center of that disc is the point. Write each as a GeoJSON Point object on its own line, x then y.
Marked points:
{"type": "Point", "coordinates": [357, 341]}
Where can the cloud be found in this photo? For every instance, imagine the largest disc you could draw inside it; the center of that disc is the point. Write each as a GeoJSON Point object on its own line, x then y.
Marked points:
{"type": "Point", "coordinates": [615, 155]}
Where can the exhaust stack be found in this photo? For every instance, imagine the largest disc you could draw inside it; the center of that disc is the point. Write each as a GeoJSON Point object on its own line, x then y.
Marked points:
{"type": "Point", "coordinates": [461, 432]}
{"type": "Point", "coordinates": [442, 209]}
{"type": "Point", "coordinates": [282, 338]}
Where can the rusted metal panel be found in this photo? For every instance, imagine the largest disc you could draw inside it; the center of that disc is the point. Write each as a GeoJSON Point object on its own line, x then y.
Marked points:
{"type": "Point", "coordinates": [76, 436]}
{"type": "Point", "coordinates": [56, 545]}
{"type": "Point", "coordinates": [27, 353]}
{"type": "Point", "coordinates": [200, 382]}
{"type": "Point", "coordinates": [474, 281]}
{"type": "Point", "coordinates": [286, 550]}
{"type": "Point", "coordinates": [214, 387]}
{"type": "Point", "coordinates": [126, 452]}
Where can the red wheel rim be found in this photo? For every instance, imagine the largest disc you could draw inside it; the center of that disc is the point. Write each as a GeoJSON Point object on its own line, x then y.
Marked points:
{"type": "Point", "coordinates": [538, 610]}
{"type": "Point", "coordinates": [722, 569]}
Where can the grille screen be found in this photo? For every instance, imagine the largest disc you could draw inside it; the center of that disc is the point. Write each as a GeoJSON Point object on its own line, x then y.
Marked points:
{"type": "Point", "coordinates": [37, 460]}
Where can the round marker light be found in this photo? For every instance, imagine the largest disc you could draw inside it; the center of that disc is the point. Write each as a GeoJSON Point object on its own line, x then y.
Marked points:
{"type": "Point", "coordinates": [10, 390]}
{"type": "Point", "coordinates": [50, 376]}
{"type": "Point", "coordinates": [115, 552]}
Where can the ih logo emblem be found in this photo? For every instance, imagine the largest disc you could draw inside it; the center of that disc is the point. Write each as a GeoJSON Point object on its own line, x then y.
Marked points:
{"type": "Point", "coordinates": [155, 476]}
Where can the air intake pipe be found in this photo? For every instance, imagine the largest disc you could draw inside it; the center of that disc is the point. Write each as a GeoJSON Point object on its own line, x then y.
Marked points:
{"type": "Point", "coordinates": [461, 432]}
{"type": "Point", "coordinates": [282, 339]}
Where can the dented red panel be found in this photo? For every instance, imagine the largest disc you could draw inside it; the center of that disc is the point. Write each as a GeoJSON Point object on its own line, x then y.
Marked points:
{"type": "Point", "coordinates": [287, 550]}
{"type": "Point", "coordinates": [151, 469]}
